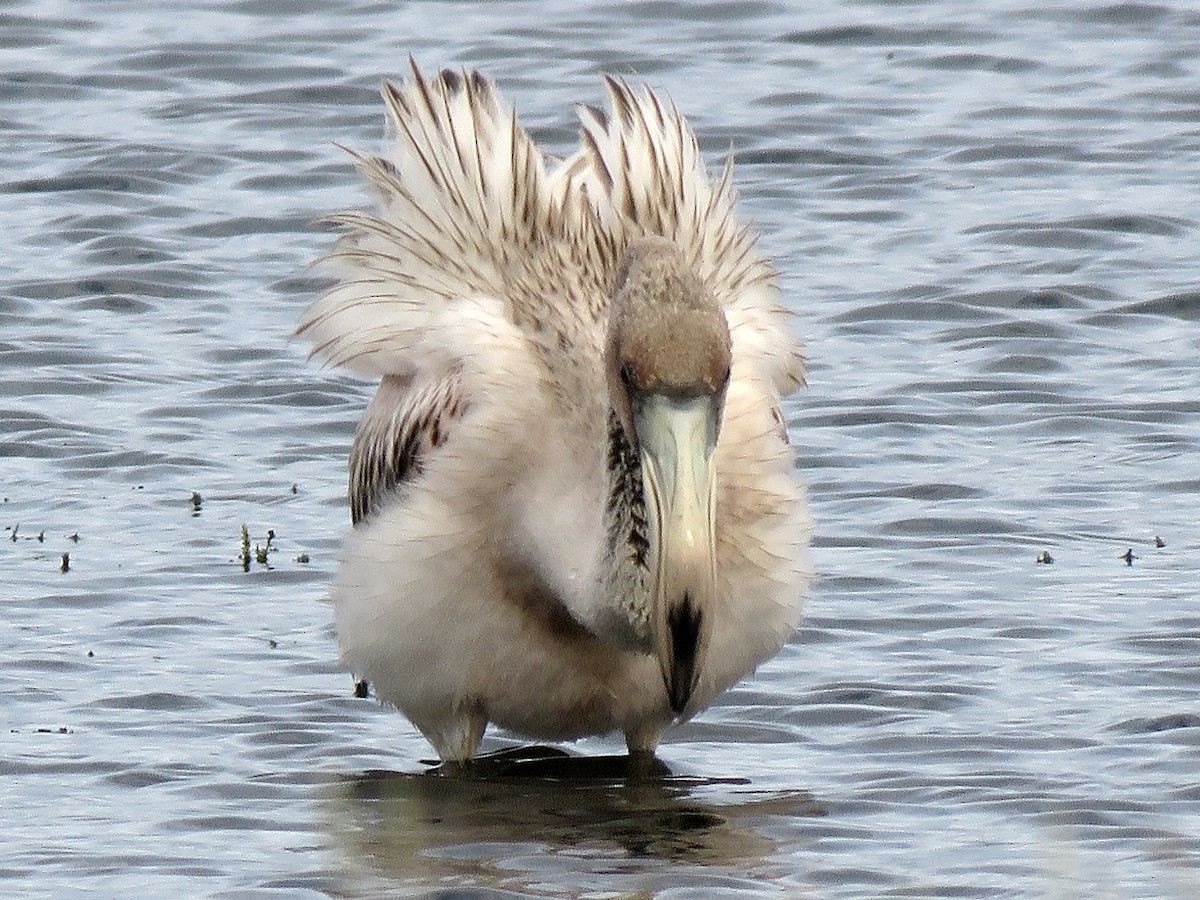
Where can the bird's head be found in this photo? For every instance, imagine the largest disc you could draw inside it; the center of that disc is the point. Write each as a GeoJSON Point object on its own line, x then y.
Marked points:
{"type": "Point", "coordinates": [668, 363]}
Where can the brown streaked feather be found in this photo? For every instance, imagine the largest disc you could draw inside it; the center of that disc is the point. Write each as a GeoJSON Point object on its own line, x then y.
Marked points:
{"type": "Point", "coordinates": [403, 425]}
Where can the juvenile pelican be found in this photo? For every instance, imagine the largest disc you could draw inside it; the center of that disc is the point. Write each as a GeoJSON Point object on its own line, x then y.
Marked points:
{"type": "Point", "coordinates": [575, 508]}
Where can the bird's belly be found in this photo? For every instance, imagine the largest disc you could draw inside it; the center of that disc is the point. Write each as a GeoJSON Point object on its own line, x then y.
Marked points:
{"type": "Point", "coordinates": [438, 658]}
{"type": "Point", "coordinates": [549, 700]}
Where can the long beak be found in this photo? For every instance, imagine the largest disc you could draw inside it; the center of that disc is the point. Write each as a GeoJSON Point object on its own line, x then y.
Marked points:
{"type": "Point", "coordinates": [677, 437]}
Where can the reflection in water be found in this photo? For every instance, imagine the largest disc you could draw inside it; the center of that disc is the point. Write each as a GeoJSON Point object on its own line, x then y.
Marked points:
{"type": "Point", "coordinates": [587, 822]}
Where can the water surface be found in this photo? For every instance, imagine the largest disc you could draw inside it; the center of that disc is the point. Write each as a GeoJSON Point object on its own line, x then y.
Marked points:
{"type": "Point", "coordinates": [986, 219]}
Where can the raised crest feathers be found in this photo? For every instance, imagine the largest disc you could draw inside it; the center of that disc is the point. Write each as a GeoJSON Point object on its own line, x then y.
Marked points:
{"type": "Point", "coordinates": [468, 207]}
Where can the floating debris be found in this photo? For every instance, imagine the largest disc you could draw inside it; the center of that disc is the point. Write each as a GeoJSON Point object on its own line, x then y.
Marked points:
{"type": "Point", "coordinates": [61, 729]}
{"type": "Point", "coordinates": [1045, 558]}
{"type": "Point", "coordinates": [302, 558]}
{"type": "Point", "coordinates": [74, 539]}
{"type": "Point", "coordinates": [244, 558]}
{"type": "Point", "coordinates": [1159, 542]}
{"type": "Point", "coordinates": [261, 553]}
{"type": "Point", "coordinates": [272, 643]}
{"type": "Point", "coordinates": [14, 534]}
{"type": "Point", "coordinates": [1128, 557]}
{"type": "Point", "coordinates": [66, 563]}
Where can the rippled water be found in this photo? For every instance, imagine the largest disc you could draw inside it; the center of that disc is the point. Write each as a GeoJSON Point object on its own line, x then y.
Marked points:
{"type": "Point", "coordinates": [987, 219]}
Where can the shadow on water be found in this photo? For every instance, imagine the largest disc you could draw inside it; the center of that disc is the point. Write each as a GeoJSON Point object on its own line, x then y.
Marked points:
{"type": "Point", "coordinates": [513, 823]}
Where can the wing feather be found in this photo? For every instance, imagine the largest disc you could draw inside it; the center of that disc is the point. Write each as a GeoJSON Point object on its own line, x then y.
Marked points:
{"type": "Point", "coordinates": [403, 425]}
{"type": "Point", "coordinates": [461, 193]}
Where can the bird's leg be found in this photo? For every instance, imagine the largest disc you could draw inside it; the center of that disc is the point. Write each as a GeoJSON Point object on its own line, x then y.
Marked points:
{"type": "Point", "coordinates": [457, 738]}
{"type": "Point", "coordinates": [643, 767]}
{"type": "Point", "coordinates": [642, 739]}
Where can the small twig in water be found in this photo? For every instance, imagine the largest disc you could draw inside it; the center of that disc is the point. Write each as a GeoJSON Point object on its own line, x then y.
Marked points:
{"type": "Point", "coordinates": [244, 559]}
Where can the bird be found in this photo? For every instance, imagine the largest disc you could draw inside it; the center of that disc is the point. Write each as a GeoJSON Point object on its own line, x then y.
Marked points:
{"type": "Point", "coordinates": [575, 510]}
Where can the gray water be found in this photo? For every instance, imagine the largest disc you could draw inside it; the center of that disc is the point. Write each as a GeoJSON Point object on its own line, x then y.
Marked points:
{"type": "Point", "coordinates": [987, 219]}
